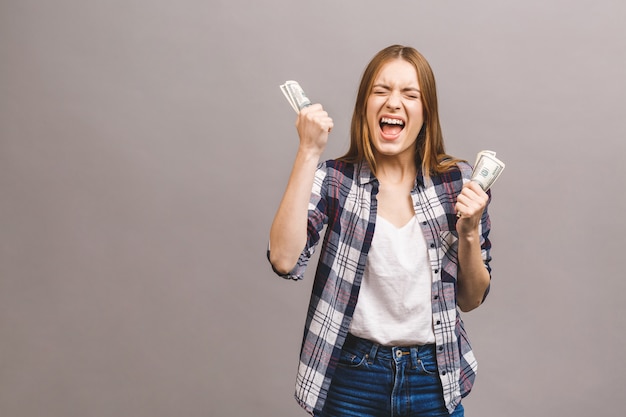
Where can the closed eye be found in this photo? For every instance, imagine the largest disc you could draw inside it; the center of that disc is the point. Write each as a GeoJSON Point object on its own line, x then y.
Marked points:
{"type": "Point", "coordinates": [412, 93]}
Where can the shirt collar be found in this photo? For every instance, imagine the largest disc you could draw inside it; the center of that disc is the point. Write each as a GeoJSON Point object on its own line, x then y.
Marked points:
{"type": "Point", "coordinates": [365, 175]}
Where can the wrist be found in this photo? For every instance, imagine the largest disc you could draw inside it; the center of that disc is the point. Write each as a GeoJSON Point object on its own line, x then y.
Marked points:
{"type": "Point", "coordinates": [470, 236]}
{"type": "Point", "coordinates": [309, 154]}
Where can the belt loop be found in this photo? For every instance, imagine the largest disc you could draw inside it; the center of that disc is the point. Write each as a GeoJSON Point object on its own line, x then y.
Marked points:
{"type": "Point", "coordinates": [414, 358]}
{"type": "Point", "coordinates": [373, 352]}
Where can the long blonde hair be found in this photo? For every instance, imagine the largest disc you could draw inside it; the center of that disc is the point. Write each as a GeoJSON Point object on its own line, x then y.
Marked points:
{"type": "Point", "coordinates": [430, 152]}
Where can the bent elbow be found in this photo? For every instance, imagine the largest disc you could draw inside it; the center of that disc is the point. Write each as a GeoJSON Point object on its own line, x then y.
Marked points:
{"type": "Point", "coordinates": [281, 265]}
{"type": "Point", "coordinates": [469, 306]}
{"type": "Point", "coordinates": [282, 268]}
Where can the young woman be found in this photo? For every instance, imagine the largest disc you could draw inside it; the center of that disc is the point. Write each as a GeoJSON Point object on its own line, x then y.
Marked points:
{"type": "Point", "coordinates": [406, 246]}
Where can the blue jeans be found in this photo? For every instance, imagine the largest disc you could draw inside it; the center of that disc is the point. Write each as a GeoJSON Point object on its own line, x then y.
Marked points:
{"type": "Point", "coordinates": [380, 381]}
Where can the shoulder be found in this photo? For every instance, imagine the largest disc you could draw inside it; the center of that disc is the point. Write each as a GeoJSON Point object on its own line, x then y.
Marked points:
{"type": "Point", "coordinates": [339, 170]}
{"type": "Point", "coordinates": [457, 174]}
{"type": "Point", "coordinates": [465, 169]}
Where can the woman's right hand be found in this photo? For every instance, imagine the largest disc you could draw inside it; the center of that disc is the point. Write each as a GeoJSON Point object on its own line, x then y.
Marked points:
{"type": "Point", "coordinates": [288, 235]}
{"type": "Point", "coordinates": [313, 125]}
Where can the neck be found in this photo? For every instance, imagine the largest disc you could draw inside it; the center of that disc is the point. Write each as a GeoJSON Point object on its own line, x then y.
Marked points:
{"type": "Point", "coordinates": [395, 169]}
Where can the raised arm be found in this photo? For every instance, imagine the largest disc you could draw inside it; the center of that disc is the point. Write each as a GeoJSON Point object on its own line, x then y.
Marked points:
{"type": "Point", "coordinates": [473, 277]}
{"type": "Point", "coordinates": [288, 233]}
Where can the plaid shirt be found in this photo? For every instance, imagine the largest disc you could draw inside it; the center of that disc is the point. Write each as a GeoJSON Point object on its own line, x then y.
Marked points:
{"type": "Point", "coordinates": [344, 198]}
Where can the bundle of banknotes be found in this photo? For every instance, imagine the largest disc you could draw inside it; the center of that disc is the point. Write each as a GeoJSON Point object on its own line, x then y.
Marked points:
{"type": "Point", "coordinates": [295, 95]}
{"type": "Point", "coordinates": [487, 168]}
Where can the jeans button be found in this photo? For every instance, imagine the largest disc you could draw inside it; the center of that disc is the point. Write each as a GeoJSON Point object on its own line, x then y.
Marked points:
{"type": "Point", "coordinates": [399, 353]}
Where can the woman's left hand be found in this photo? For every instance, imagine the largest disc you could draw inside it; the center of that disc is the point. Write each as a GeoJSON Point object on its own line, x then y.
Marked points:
{"type": "Point", "coordinates": [469, 207]}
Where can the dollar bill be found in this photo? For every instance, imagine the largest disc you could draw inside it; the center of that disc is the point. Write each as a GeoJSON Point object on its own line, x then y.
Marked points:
{"type": "Point", "coordinates": [295, 95]}
{"type": "Point", "coordinates": [487, 169]}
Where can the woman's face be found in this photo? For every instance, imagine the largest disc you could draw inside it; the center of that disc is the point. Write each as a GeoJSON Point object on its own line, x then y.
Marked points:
{"type": "Point", "coordinates": [394, 109]}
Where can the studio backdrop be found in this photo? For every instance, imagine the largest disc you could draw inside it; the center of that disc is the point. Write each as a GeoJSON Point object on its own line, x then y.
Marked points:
{"type": "Point", "coordinates": [144, 148]}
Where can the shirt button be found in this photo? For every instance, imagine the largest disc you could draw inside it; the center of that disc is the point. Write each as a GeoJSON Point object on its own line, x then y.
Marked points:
{"type": "Point", "coordinates": [440, 349]}
{"type": "Point", "coordinates": [436, 297]}
{"type": "Point", "coordinates": [438, 322]}
{"type": "Point", "coordinates": [443, 373]}
{"type": "Point", "coordinates": [424, 223]}
{"type": "Point", "coordinates": [432, 245]}
{"type": "Point", "coordinates": [436, 271]}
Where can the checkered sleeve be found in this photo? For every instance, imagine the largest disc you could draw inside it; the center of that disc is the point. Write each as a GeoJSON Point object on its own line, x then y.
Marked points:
{"type": "Point", "coordinates": [316, 220]}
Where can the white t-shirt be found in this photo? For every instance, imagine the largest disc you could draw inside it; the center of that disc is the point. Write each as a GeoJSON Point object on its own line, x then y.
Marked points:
{"type": "Point", "coordinates": [394, 305]}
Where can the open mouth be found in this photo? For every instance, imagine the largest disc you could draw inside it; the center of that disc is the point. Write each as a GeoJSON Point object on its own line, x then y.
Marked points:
{"type": "Point", "coordinates": [391, 126]}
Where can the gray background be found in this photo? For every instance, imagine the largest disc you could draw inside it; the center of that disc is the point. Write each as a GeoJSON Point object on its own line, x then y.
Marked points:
{"type": "Point", "coordinates": [144, 146]}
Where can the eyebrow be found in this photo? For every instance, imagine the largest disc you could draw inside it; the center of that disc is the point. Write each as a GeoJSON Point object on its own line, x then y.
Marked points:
{"type": "Point", "coordinates": [385, 86]}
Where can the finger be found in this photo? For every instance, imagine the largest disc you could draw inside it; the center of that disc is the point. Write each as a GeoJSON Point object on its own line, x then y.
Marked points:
{"type": "Point", "coordinates": [311, 108]}
{"type": "Point", "coordinates": [469, 203]}
{"type": "Point", "coordinates": [476, 188]}
{"type": "Point", "coordinates": [473, 193]}
{"type": "Point", "coordinates": [462, 210]}
{"type": "Point", "coordinates": [329, 124]}
{"type": "Point", "coordinates": [323, 121]}
{"type": "Point", "coordinates": [468, 208]}
{"type": "Point", "coordinates": [469, 191]}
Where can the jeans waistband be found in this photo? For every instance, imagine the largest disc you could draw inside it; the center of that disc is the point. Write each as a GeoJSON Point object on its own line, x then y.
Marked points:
{"type": "Point", "coordinates": [374, 349]}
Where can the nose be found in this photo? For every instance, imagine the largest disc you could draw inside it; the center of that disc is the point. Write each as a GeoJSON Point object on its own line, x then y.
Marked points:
{"type": "Point", "coordinates": [393, 101]}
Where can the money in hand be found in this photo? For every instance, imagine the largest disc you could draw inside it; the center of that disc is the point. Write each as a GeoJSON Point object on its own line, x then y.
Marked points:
{"type": "Point", "coordinates": [295, 95]}
{"type": "Point", "coordinates": [487, 169]}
